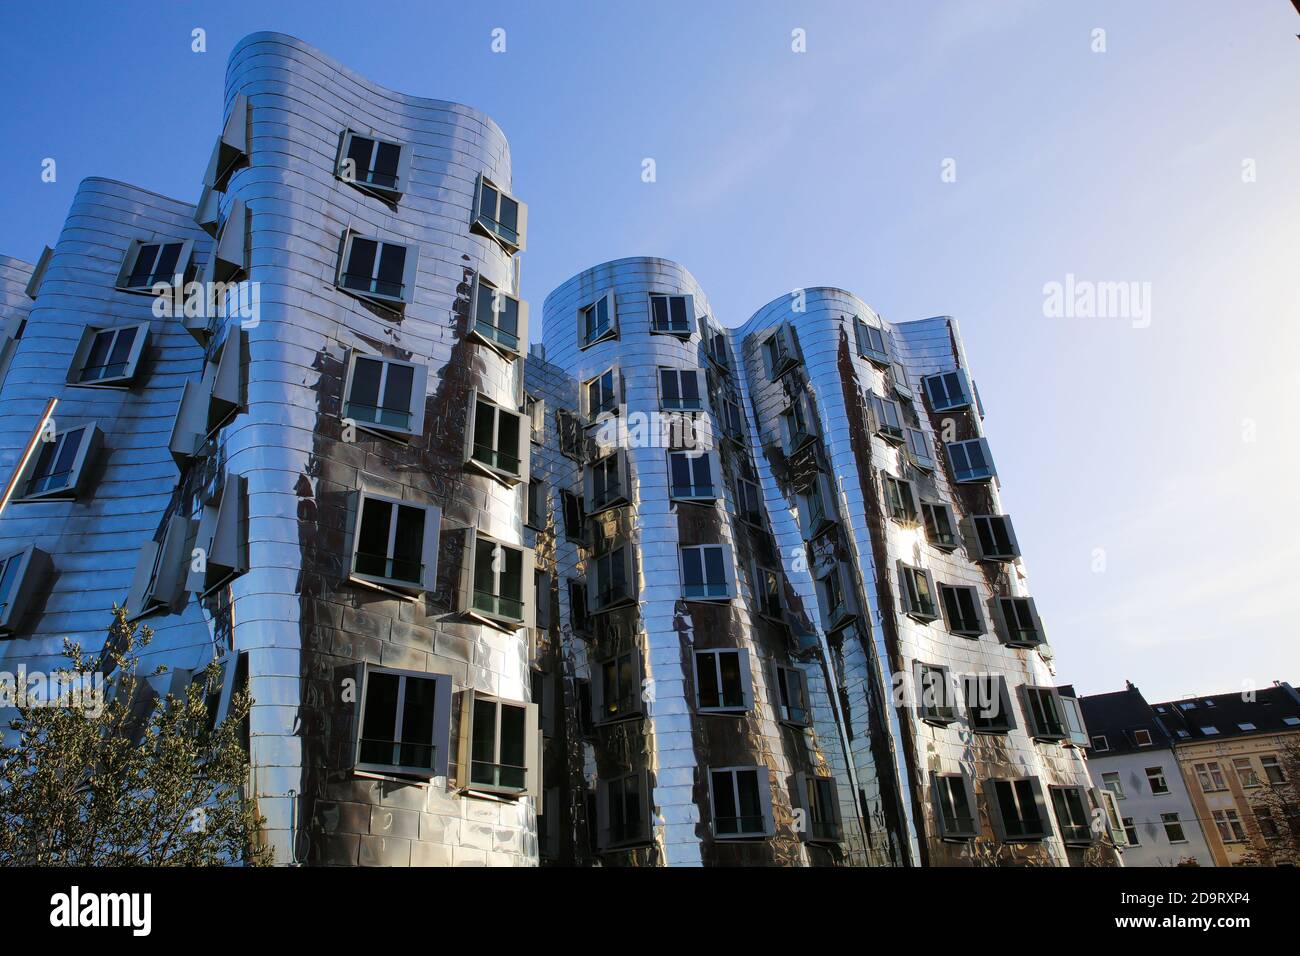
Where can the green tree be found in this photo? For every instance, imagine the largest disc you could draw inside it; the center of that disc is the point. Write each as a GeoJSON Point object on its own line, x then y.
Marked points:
{"type": "Point", "coordinates": [140, 780]}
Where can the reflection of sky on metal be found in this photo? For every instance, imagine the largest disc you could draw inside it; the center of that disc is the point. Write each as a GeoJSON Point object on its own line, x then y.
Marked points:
{"type": "Point", "coordinates": [824, 167]}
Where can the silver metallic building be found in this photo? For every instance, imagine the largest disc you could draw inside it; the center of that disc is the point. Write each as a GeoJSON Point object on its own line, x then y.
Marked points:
{"type": "Point", "coordinates": [659, 592]}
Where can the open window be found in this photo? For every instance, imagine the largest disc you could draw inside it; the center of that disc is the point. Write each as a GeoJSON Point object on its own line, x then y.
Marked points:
{"type": "Point", "coordinates": [900, 499]}
{"type": "Point", "coordinates": [496, 584]}
{"type": "Point", "coordinates": [730, 418]}
{"type": "Point", "coordinates": [231, 147]}
{"type": "Point", "coordinates": [500, 746]}
{"type": "Point", "coordinates": [936, 698]}
{"type": "Point", "coordinates": [723, 684]}
{"type": "Point", "coordinates": [597, 321]}
{"type": "Point", "coordinates": [606, 482]}
{"type": "Point", "coordinates": [58, 467]}
{"type": "Point", "coordinates": [953, 797]}
{"type": "Point", "coordinates": [780, 351]}
{"type": "Point", "coordinates": [715, 346]}
{"type": "Point", "coordinates": [1075, 726]}
{"type": "Point", "coordinates": [160, 570]}
{"type": "Point", "coordinates": [837, 597]}
{"type": "Point", "coordinates": [693, 475]}
{"type": "Point", "coordinates": [816, 506]}
{"type": "Point", "coordinates": [767, 593]}
{"type": "Point", "coordinates": [394, 544]}
{"type": "Point", "coordinates": [404, 725]}
{"type": "Point", "coordinates": [1017, 810]}
{"type": "Point", "coordinates": [499, 215]}
{"type": "Point", "coordinates": [616, 687]}
{"type": "Point", "coordinates": [108, 357]}
{"type": "Point", "coordinates": [373, 165]}
{"type": "Point", "coordinates": [916, 590]}
{"type": "Point", "coordinates": [940, 525]}
{"type": "Point", "coordinates": [918, 449]}
{"type": "Point", "coordinates": [799, 425]}
{"type": "Point", "coordinates": [623, 811]}
{"type": "Point", "coordinates": [988, 704]}
{"type": "Point", "coordinates": [740, 802]}
{"type": "Point", "coordinates": [947, 391]}
{"type": "Point", "coordinates": [971, 461]}
{"type": "Point", "coordinates": [749, 502]}
{"type": "Point", "coordinates": [22, 576]}
{"type": "Point", "coordinates": [672, 314]}
{"type": "Point", "coordinates": [790, 689]}
{"type": "Point", "coordinates": [496, 440]}
{"type": "Point", "coordinates": [1073, 818]}
{"type": "Point", "coordinates": [500, 320]}
{"type": "Point", "coordinates": [961, 610]}
{"type": "Point", "coordinates": [902, 385]}
{"type": "Point", "coordinates": [611, 580]}
{"type": "Point", "coordinates": [1044, 715]}
{"type": "Point", "coordinates": [220, 550]}
{"type": "Point", "coordinates": [707, 572]}
{"type": "Point", "coordinates": [886, 418]}
{"type": "Point", "coordinates": [148, 263]}
{"type": "Point", "coordinates": [991, 538]}
{"type": "Point", "coordinates": [872, 342]}
{"type": "Point", "coordinates": [1018, 622]}
{"type": "Point", "coordinates": [679, 390]}
{"type": "Point", "coordinates": [601, 396]}
{"type": "Point", "coordinates": [816, 798]}
{"type": "Point", "coordinates": [378, 270]}
{"type": "Point", "coordinates": [385, 396]}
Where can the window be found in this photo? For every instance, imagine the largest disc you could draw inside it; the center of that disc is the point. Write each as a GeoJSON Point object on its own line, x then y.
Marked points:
{"type": "Point", "coordinates": [1247, 727]}
{"type": "Point", "coordinates": [1042, 706]}
{"type": "Point", "coordinates": [616, 688]}
{"type": "Point", "coordinates": [916, 589]}
{"type": "Point", "coordinates": [1173, 828]}
{"type": "Point", "coordinates": [749, 502]}
{"type": "Point", "coordinates": [994, 538]}
{"type": "Point", "coordinates": [947, 391]}
{"type": "Point", "coordinates": [623, 811]}
{"type": "Point", "coordinates": [208, 405]}
{"type": "Point", "coordinates": [1100, 743]}
{"type": "Point", "coordinates": [1019, 624]}
{"type": "Point", "coordinates": [837, 597]}
{"type": "Point", "coordinates": [767, 592]}
{"type": "Point", "coordinates": [961, 610]}
{"type": "Point", "coordinates": [612, 581]}
{"type": "Point", "coordinates": [722, 681]}
{"type": "Point", "coordinates": [600, 395]}
{"type": "Point", "coordinates": [954, 803]}
{"type": "Point", "coordinates": [935, 701]}
{"type": "Point", "coordinates": [1016, 809]}
{"type": "Point", "coordinates": [108, 357]}
{"type": "Point", "coordinates": [373, 165]}
{"type": "Point", "coordinates": [542, 622]}
{"type": "Point", "coordinates": [816, 506]}
{"type": "Point", "coordinates": [1268, 827]}
{"type": "Point", "coordinates": [1272, 769]}
{"type": "Point", "coordinates": [405, 722]}
{"type": "Point", "coordinates": [597, 321]}
{"type": "Point", "coordinates": [707, 573]}
{"type": "Point", "coordinates": [885, 415]}
{"type": "Point", "coordinates": [535, 409]}
{"type": "Point", "coordinates": [220, 550]}
{"type": "Point", "coordinates": [791, 685]}
{"type": "Point", "coordinates": [971, 461]}
{"type": "Point", "coordinates": [573, 517]}
{"type": "Point", "coordinates": [1142, 737]}
{"type": "Point", "coordinates": [1229, 826]}
{"type": "Point", "coordinates": [1077, 730]}
{"type": "Point", "coordinates": [1131, 832]}
{"type": "Point", "coordinates": [798, 424]}
{"type": "Point", "coordinates": [231, 146]}
{"type": "Point", "coordinates": [500, 320]}
{"type": "Point", "coordinates": [715, 346]}
{"type": "Point", "coordinates": [679, 389]}
{"type": "Point", "coordinates": [496, 440]}
{"type": "Point", "coordinates": [871, 342]}
{"type": "Point", "coordinates": [58, 469]}
{"type": "Point", "coordinates": [384, 395]}
{"type": "Point", "coordinates": [1291, 721]}
{"type": "Point", "coordinates": [817, 800]}
{"type": "Point", "coordinates": [740, 802]}
{"type": "Point", "coordinates": [918, 449]}
{"type": "Point", "coordinates": [672, 314]}
{"type": "Point", "coordinates": [569, 428]}
{"type": "Point", "coordinates": [1210, 730]}
{"type": "Point", "coordinates": [500, 744]}
{"type": "Point", "coordinates": [1210, 777]}
{"type": "Point", "coordinates": [902, 387]}
{"type": "Point", "coordinates": [606, 482]}
{"type": "Point", "coordinates": [1072, 817]}
{"type": "Point", "coordinates": [536, 518]}
{"type": "Point", "coordinates": [988, 704]}
{"type": "Point", "coordinates": [378, 270]}
{"type": "Point", "coordinates": [940, 525]}
{"type": "Point", "coordinates": [900, 499]}
{"type": "Point", "coordinates": [22, 575]}
{"type": "Point", "coordinates": [780, 353]}
{"type": "Point", "coordinates": [499, 215]}
{"type": "Point", "coordinates": [578, 606]}
{"type": "Point", "coordinates": [228, 259]}
{"type": "Point", "coordinates": [158, 584]}
{"type": "Point", "coordinates": [395, 544]}
{"type": "Point", "coordinates": [1111, 781]}
{"type": "Point", "coordinates": [148, 263]}
{"type": "Point", "coordinates": [1245, 771]}
{"type": "Point", "coordinates": [1156, 780]}
{"type": "Point", "coordinates": [492, 582]}
{"type": "Point", "coordinates": [733, 422]}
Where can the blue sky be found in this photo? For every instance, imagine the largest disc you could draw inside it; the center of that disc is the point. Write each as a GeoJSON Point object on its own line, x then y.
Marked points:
{"type": "Point", "coordinates": [1163, 450]}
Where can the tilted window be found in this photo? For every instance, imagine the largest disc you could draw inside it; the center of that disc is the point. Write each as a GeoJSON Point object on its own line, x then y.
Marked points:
{"type": "Point", "coordinates": [1043, 713]}
{"type": "Point", "coordinates": [221, 545]}
{"type": "Point", "coordinates": [1077, 730]}
{"type": "Point", "coordinates": [947, 391]}
{"type": "Point", "coordinates": [715, 345]}
{"type": "Point", "coordinates": [988, 704]}
{"type": "Point", "coordinates": [1018, 622]}
{"type": "Point", "coordinates": [500, 745]}
{"type": "Point", "coordinates": [1017, 810]}
{"type": "Point", "coordinates": [953, 795]}
{"type": "Point", "coordinates": [597, 321]}
{"type": "Point", "coordinates": [611, 580]}
{"type": "Point", "coordinates": [900, 499]}
{"type": "Point", "coordinates": [707, 573]}
{"type": "Point", "coordinates": [499, 215]}
{"type": "Point", "coordinates": [616, 687]}
{"type": "Point", "coordinates": [749, 502]}
{"type": "Point", "coordinates": [940, 525]}
{"type": "Point", "coordinates": [500, 320]}
{"type": "Point", "coordinates": [818, 799]}
{"type": "Point", "coordinates": [971, 461]}
{"type": "Point", "coordinates": [1072, 816]}
{"type": "Point", "coordinates": [493, 580]}
{"type": "Point", "coordinates": [373, 165]}
{"type": "Point", "coordinates": [918, 449]}
{"type": "Point", "coordinates": [791, 688]}
{"type": "Point", "coordinates": [672, 314]}
{"type": "Point", "coordinates": [160, 570]}
{"type": "Point", "coordinates": [535, 409]}
{"type": "Point", "coordinates": [816, 504]}
{"type": "Point", "coordinates": [58, 467]}
{"type": "Point", "coordinates": [740, 802]}
{"type": "Point", "coordinates": [573, 516]}
{"type": "Point", "coordinates": [679, 390]}
{"type": "Point", "coordinates": [961, 609]}
{"type": "Point", "coordinates": [536, 517]}
{"type": "Point", "coordinates": [497, 440]}
{"type": "Point", "coordinates": [872, 342]}
{"type": "Point", "coordinates": [887, 418]}
{"type": "Point", "coordinates": [902, 386]}
{"type": "Point", "coordinates": [228, 259]}
{"type": "Point", "coordinates": [767, 592]}
{"type": "Point", "coordinates": [385, 395]}
{"type": "Point", "coordinates": [916, 588]}
{"type": "Point", "coordinates": [780, 351]}
{"type": "Point", "coordinates": [994, 539]}
{"type": "Point", "coordinates": [722, 681]}
{"type": "Point", "coordinates": [231, 147]}
{"type": "Point", "coordinates": [209, 404]}
{"type": "Point", "coordinates": [936, 698]}
{"type": "Point", "coordinates": [383, 271]}
{"type": "Point", "coordinates": [606, 482]}
{"type": "Point", "coordinates": [600, 395]}
{"type": "Point", "coordinates": [692, 475]}
{"type": "Point", "coordinates": [148, 263]}
{"type": "Point", "coordinates": [837, 597]}
{"type": "Point", "coordinates": [395, 543]}
{"type": "Point", "coordinates": [799, 424]}
{"type": "Point", "coordinates": [623, 811]}
{"type": "Point", "coordinates": [405, 723]}
{"type": "Point", "coordinates": [22, 575]}
{"type": "Point", "coordinates": [570, 430]}
{"type": "Point", "coordinates": [108, 357]}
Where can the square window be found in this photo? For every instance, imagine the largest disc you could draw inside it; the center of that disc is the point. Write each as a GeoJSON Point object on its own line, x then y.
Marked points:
{"type": "Point", "coordinates": [500, 745]}
{"type": "Point", "coordinates": [900, 499]}
{"type": "Point", "coordinates": [373, 165]}
{"type": "Point", "coordinates": [500, 320]}
{"type": "Point", "coordinates": [791, 684]}
{"type": "Point", "coordinates": [597, 321]}
{"type": "Point", "coordinates": [1018, 622]}
{"type": "Point", "coordinates": [732, 420]}
{"type": "Point", "coordinates": [971, 461]}
{"type": "Point", "coordinates": [108, 357]}
{"type": "Point", "coordinates": [988, 704]}
{"type": "Point", "coordinates": [1111, 781]}
{"type": "Point", "coordinates": [1142, 737]}
{"type": "Point", "coordinates": [715, 345]}
{"type": "Point", "coordinates": [994, 539]}
{"type": "Point", "coordinates": [492, 582]}
{"type": "Point", "coordinates": [902, 387]}
{"type": "Point", "coordinates": [385, 396]}
{"type": "Point", "coordinates": [496, 440]}
{"type": "Point", "coordinates": [947, 391]}
{"type": "Point", "coordinates": [707, 573]}
{"type": "Point", "coordinates": [740, 802]}
{"type": "Point", "coordinates": [395, 543]}
{"type": "Point", "coordinates": [1072, 816]}
{"type": "Point", "coordinates": [1210, 777]}
{"type": "Point", "coordinates": [22, 575]}
{"type": "Point", "coordinates": [1131, 832]}
{"type": "Point", "coordinates": [499, 215]}
{"type": "Point", "coordinates": [679, 390]}
{"type": "Point", "coordinates": [57, 468]}
{"type": "Point", "coordinates": [405, 722]}
{"type": "Point", "coordinates": [616, 688]}
{"type": "Point", "coordinates": [722, 681]}
{"type": "Point", "coordinates": [954, 804]}
{"type": "Point", "coordinates": [623, 812]}
{"type": "Point", "coordinates": [961, 610]}
{"type": "Point", "coordinates": [918, 449]}
{"type": "Point", "coordinates": [569, 427]}
{"type": "Point", "coordinates": [888, 421]}
{"type": "Point", "coordinates": [1016, 810]}
{"type": "Point", "coordinates": [378, 270]}
{"type": "Point", "coordinates": [672, 314]}
{"type": "Point", "coordinates": [1156, 780]}
{"type": "Point", "coordinates": [940, 525]}
{"type": "Point", "coordinates": [1100, 743]}
{"type": "Point", "coordinates": [916, 589]}
{"type": "Point", "coordinates": [872, 342]}
{"type": "Point", "coordinates": [818, 798]}
{"type": "Point", "coordinates": [936, 701]}
{"type": "Point", "coordinates": [606, 482]}
{"type": "Point", "coordinates": [1245, 771]}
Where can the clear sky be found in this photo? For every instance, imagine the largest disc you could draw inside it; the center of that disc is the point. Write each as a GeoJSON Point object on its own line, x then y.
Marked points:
{"type": "Point", "coordinates": [1167, 440]}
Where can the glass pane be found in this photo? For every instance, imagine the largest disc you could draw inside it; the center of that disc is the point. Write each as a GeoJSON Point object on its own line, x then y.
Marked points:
{"type": "Point", "coordinates": [363, 402]}
{"type": "Point", "coordinates": [513, 746]}
{"type": "Point", "coordinates": [659, 308]}
{"type": "Point", "coordinates": [98, 357]}
{"type": "Point", "coordinates": [483, 737]}
{"type": "Point", "coordinates": [678, 306]}
{"type": "Point", "coordinates": [359, 151]}
{"type": "Point", "coordinates": [713, 566]}
{"type": "Point", "coordinates": [417, 723]}
{"type": "Point", "coordinates": [397, 395]}
{"type": "Point", "coordinates": [706, 674]}
{"type": "Point", "coordinates": [386, 159]}
{"type": "Point", "coordinates": [692, 568]}
{"type": "Point", "coordinates": [379, 728]}
{"type": "Point", "coordinates": [372, 537]}
{"type": "Point", "coordinates": [167, 260]}
{"type": "Point", "coordinates": [408, 545]}
{"type": "Point", "coordinates": [729, 663]}
{"type": "Point", "coordinates": [361, 264]}
{"type": "Point", "coordinates": [751, 809]}
{"type": "Point", "coordinates": [724, 803]}
{"type": "Point", "coordinates": [488, 203]}
{"type": "Point", "coordinates": [121, 354]}
{"type": "Point", "coordinates": [392, 262]}
{"type": "Point", "coordinates": [142, 270]}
